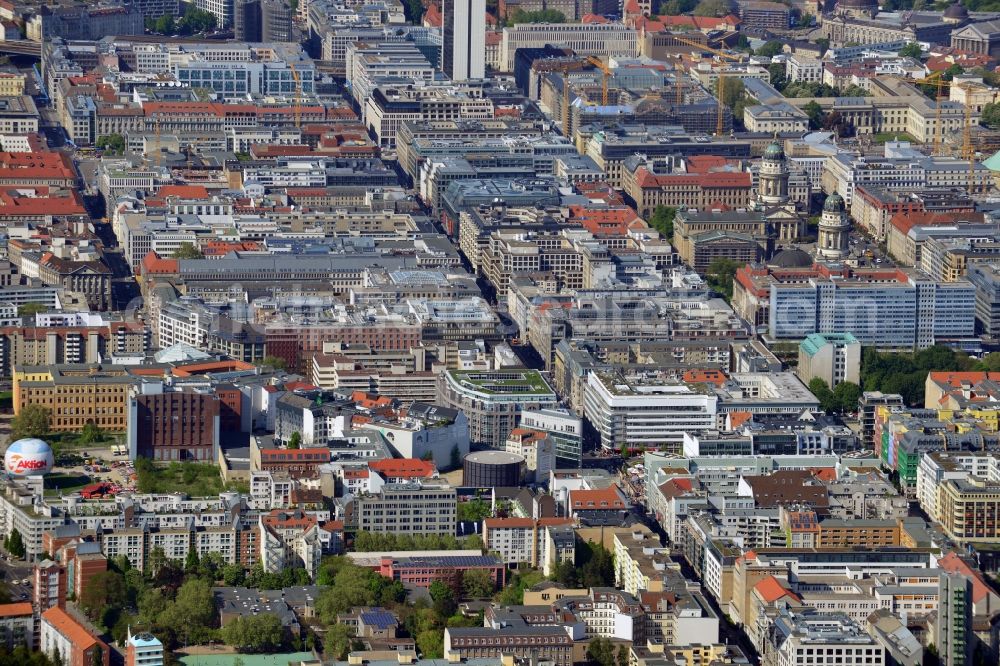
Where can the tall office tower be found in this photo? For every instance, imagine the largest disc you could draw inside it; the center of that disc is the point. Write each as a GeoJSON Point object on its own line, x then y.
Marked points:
{"type": "Point", "coordinates": [955, 638]}
{"type": "Point", "coordinates": [463, 53]}
{"type": "Point", "coordinates": [247, 20]}
{"type": "Point", "coordinates": [276, 21]}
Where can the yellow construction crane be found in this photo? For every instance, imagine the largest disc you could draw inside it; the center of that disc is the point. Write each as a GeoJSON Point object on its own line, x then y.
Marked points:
{"type": "Point", "coordinates": [157, 149]}
{"type": "Point", "coordinates": [565, 69]}
{"type": "Point", "coordinates": [606, 73]}
{"type": "Point", "coordinates": [720, 111]}
{"type": "Point", "coordinates": [708, 49]}
{"type": "Point", "coordinates": [968, 150]}
{"type": "Point", "coordinates": [298, 95]}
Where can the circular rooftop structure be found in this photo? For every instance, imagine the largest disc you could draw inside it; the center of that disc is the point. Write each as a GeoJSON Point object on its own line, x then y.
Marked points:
{"type": "Point", "coordinates": [492, 469]}
{"type": "Point", "coordinates": [956, 12]}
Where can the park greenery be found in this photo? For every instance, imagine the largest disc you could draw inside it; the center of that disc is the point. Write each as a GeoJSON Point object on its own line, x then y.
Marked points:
{"type": "Point", "coordinates": [906, 373]}
{"type": "Point", "coordinates": [32, 421]}
{"type": "Point", "coordinates": [842, 398]}
{"type": "Point", "coordinates": [187, 251]}
{"type": "Point", "coordinates": [28, 309]}
{"type": "Point", "coordinates": [662, 220]}
{"type": "Point", "coordinates": [991, 116]}
{"type": "Point", "coordinates": [111, 143]}
{"type": "Point", "coordinates": [368, 542]}
{"type": "Point", "coordinates": [192, 478]}
{"type": "Point", "coordinates": [720, 275]}
{"type": "Point", "coordinates": [541, 16]}
{"type": "Point", "coordinates": [14, 544]}
{"type": "Point", "coordinates": [194, 22]}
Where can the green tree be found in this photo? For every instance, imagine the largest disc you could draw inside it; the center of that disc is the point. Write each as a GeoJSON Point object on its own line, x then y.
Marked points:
{"type": "Point", "coordinates": [911, 50]}
{"type": "Point", "coordinates": [846, 395]}
{"type": "Point", "coordinates": [677, 7]}
{"type": "Point", "coordinates": [771, 48]}
{"type": "Point", "coordinates": [478, 584]}
{"type": "Point", "coordinates": [776, 72]}
{"type": "Point", "coordinates": [338, 641]}
{"type": "Point", "coordinates": [721, 273]}
{"type": "Point", "coordinates": [952, 72]}
{"type": "Point", "coordinates": [540, 16]}
{"type": "Point", "coordinates": [191, 562]}
{"type": "Point", "coordinates": [431, 644]}
{"type": "Point", "coordinates": [111, 143]}
{"type": "Point", "coordinates": [165, 25]}
{"type": "Point", "coordinates": [819, 388]}
{"type": "Point", "coordinates": [29, 309]}
{"type": "Point", "coordinates": [991, 116]}
{"type": "Point", "coordinates": [731, 89]}
{"type": "Point", "coordinates": [444, 599]}
{"type": "Point", "coordinates": [273, 362]}
{"type": "Point", "coordinates": [623, 657]}
{"type": "Point", "coordinates": [718, 8]}
{"type": "Point", "coordinates": [105, 589]}
{"type": "Point", "coordinates": [15, 544]}
{"type": "Point", "coordinates": [295, 441]}
{"type": "Point", "coordinates": [254, 633]}
{"type": "Point", "coordinates": [188, 251]}
{"type": "Point", "coordinates": [815, 113]}
{"type": "Point", "coordinates": [192, 614]}
{"type": "Point", "coordinates": [823, 43]}
{"type": "Point", "coordinates": [33, 421]}
{"type": "Point", "coordinates": [662, 220]}
{"type": "Point", "coordinates": [91, 433]}
{"type": "Point", "coordinates": [474, 510]}
{"type": "Point", "coordinates": [455, 458]}
{"type": "Point", "coordinates": [601, 652]}
{"type": "Point", "coordinates": [233, 575]}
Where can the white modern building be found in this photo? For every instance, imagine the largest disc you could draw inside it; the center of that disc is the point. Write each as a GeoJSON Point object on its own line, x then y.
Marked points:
{"type": "Point", "coordinates": [646, 414]}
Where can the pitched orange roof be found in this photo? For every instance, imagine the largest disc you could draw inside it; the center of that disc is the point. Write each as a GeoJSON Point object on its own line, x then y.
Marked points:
{"type": "Point", "coordinates": [770, 590]}
{"type": "Point", "coordinates": [601, 498]}
{"type": "Point", "coordinates": [958, 378]}
{"type": "Point", "coordinates": [15, 610]}
{"type": "Point", "coordinates": [907, 220]}
{"type": "Point", "coordinates": [72, 630]}
{"type": "Point", "coordinates": [739, 417]}
{"type": "Point", "coordinates": [952, 563]}
{"type": "Point", "coordinates": [411, 468]}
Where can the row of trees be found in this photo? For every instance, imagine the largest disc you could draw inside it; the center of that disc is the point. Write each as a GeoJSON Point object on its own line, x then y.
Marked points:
{"type": "Point", "coordinates": [174, 601]}
{"type": "Point", "coordinates": [905, 374]}
{"type": "Point", "coordinates": [367, 542]}
{"type": "Point", "coordinates": [194, 22]}
{"type": "Point", "coordinates": [540, 16]}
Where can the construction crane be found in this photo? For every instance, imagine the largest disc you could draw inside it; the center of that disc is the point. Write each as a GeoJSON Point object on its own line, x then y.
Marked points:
{"type": "Point", "coordinates": [157, 149]}
{"type": "Point", "coordinates": [298, 95]}
{"type": "Point", "coordinates": [565, 69]}
{"type": "Point", "coordinates": [606, 73]}
{"type": "Point", "coordinates": [720, 111]}
{"type": "Point", "coordinates": [968, 150]}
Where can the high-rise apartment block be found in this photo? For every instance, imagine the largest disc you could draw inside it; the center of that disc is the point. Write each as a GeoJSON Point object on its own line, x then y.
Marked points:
{"type": "Point", "coordinates": [463, 54]}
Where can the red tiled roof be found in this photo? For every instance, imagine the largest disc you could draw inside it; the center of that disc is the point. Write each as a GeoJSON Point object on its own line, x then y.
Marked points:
{"type": "Point", "coordinates": [952, 563]}
{"type": "Point", "coordinates": [411, 468]}
{"type": "Point", "coordinates": [770, 590]}
{"type": "Point", "coordinates": [601, 498]}
{"type": "Point", "coordinates": [907, 220]}
{"type": "Point", "coordinates": [74, 632]}
{"type": "Point", "coordinates": [153, 263]}
{"type": "Point", "coordinates": [15, 610]}
{"type": "Point", "coordinates": [646, 178]}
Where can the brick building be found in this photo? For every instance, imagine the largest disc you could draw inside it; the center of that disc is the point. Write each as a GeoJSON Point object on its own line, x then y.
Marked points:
{"type": "Point", "coordinates": [422, 571]}
{"type": "Point", "coordinates": [175, 422]}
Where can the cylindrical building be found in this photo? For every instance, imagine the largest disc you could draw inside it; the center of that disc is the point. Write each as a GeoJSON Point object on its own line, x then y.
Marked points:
{"type": "Point", "coordinates": [492, 469]}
